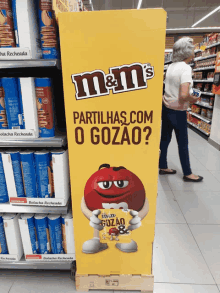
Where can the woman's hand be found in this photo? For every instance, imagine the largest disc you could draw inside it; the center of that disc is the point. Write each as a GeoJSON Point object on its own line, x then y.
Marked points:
{"type": "Point", "coordinates": [184, 95]}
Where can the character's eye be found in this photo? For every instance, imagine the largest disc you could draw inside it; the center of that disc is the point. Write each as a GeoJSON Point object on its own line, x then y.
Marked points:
{"type": "Point", "coordinates": [121, 183]}
{"type": "Point", "coordinates": [105, 184]}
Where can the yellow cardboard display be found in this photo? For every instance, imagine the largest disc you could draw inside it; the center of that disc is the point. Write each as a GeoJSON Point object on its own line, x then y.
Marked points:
{"type": "Point", "coordinates": [112, 64]}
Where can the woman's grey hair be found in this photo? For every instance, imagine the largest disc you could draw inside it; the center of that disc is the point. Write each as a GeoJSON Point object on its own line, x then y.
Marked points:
{"type": "Point", "coordinates": [182, 49]}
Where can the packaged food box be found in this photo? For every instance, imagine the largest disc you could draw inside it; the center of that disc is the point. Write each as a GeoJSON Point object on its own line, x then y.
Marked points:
{"type": "Point", "coordinates": [204, 112]}
{"type": "Point", "coordinates": [207, 87]}
{"type": "Point", "coordinates": [205, 100]}
{"type": "Point", "coordinates": [211, 102]}
{"type": "Point", "coordinates": [209, 114]}
{"type": "Point", "coordinates": [210, 75]}
{"type": "Point", "coordinates": [199, 86]}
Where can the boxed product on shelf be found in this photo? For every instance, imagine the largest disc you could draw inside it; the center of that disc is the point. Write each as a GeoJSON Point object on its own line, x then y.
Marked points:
{"type": "Point", "coordinates": [210, 75]}
{"type": "Point", "coordinates": [7, 34]}
{"type": "Point", "coordinates": [47, 237]}
{"type": "Point", "coordinates": [40, 178]}
{"type": "Point", "coordinates": [211, 101]}
{"type": "Point", "coordinates": [209, 114]}
{"type": "Point", "coordinates": [213, 50]}
{"type": "Point", "coordinates": [207, 87]}
{"type": "Point", "coordinates": [198, 75]}
{"type": "Point", "coordinates": [44, 99]}
{"type": "Point", "coordinates": [11, 248]}
{"type": "Point", "coordinates": [195, 109]}
{"type": "Point", "coordinates": [205, 127]}
{"type": "Point", "coordinates": [3, 186]}
{"type": "Point", "coordinates": [204, 112]}
{"type": "Point", "coordinates": [19, 101]}
{"type": "Point", "coordinates": [205, 100]}
{"type": "Point", "coordinates": [48, 30]}
{"type": "Point", "coordinates": [26, 27]}
{"type": "Point", "coordinates": [168, 57]}
{"type": "Point", "coordinates": [195, 120]}
{"type": "Point", "coordinates": [213, 38]}
{"type": "Point", "coordinates": [199, 85]}
{"type": "Point", "coordinates": [26, 108]}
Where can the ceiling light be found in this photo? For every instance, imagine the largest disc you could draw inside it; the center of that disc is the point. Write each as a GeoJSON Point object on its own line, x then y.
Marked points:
{"type": "Point", "coordinates": [139, 4]}
{"type": "Point", "coordinates": [206, 16]}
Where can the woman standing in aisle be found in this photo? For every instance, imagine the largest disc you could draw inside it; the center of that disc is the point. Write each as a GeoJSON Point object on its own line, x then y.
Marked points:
{"type": "Point", "coordinates": [178, 84]}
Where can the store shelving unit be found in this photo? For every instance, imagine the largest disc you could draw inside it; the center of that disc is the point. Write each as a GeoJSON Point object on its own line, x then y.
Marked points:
{"type": "Point", "coordinates": [58, 141]}
{"type": "Point", "coordinates": [203, 80]}
{"type": "Point", "coordinates": [8, 208]}
{"type": "Point", "coordinates": [37, 68]}
{"type": "Point", "coordinates": [196, 127]}
{"type": "Point", "coordinates": [204, 68]}
{"type": "Point", "coordinates": [207, 93]}
{"type": "Point", "coordinates": [204, 105]}
{"type": "Point", "coordinates": [207, 120]}
{"type": "Point", "coordinates": [204, 58]}
{"type": "Point", "coordinates": [35, 265]}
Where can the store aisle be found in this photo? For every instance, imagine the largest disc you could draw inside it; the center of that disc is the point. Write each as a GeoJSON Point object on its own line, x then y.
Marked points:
{"type": "Point", "coordinates": [186, 249]}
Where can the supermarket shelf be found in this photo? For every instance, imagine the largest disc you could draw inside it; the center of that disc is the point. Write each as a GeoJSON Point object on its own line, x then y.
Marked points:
{"type": "Point", "coordinates": [8, 208]}
{"type": "Point", "coordinates": [190, 30]}
{"type": "Point", "coordinates": [207, 120]}
{"type": "Point", "coordinates": [29, 68]}
{"type": "Point", "coordinates": [203, 58]}
{"type": "Point", "coordinates": [204, 68]}
{"type": "Point", "coordinates": [207, 93]}
{"type": "Point", "coordinates": [213, 45]}
{"type": "Point", "coordinates": [33, 265]}
{"type": "Point", "coordinates": [204, 105]}
{"type": "Point", "coordinates": [198, 50]}
{"type": "Point", "coordinates": [30, 63]}
{"type": "Point", "coordinates": [204, 80]}
{"type": "Point", "coordinates": [196, 127]}
{"type": "Point", "coordinates": [57, 141]}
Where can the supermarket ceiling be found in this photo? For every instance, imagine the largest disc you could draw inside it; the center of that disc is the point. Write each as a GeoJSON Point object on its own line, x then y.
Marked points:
{"type": "Point", "coordinates": [180, 13]}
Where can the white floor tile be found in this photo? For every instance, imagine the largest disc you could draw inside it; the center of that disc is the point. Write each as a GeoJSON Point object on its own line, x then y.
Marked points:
{"type": "Point", "coordinates": [183, 288]}
{"type": "Point", "coordinates": [174, 163]}
{"type": "Point", "coordinates": [162, 183]}
{"type": "Point", "coordinates": [6, 282]}
{"type": "Point", "coordinates": [43, 284]}
{"type": "Point", "coordinates": [177, 258]}
{"type": "Point", "coordinates": [211, 161]}
{"type": "Point", "coordinates": [168, 210]}
{"type": "Point", "coordinates": [210, 183]}
{"type": "Point", "coordinates": [199, 207]}
{"type": "Point", "coordinates": [216, 174]}
{"type": "Point", "coordinates": [208, 239]}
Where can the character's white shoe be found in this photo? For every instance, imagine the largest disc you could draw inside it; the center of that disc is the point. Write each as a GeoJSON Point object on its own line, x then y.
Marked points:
{"type": "Point", "coordinates": [127, 247]}
{"type": "Point", "coordinates": [93, 246]}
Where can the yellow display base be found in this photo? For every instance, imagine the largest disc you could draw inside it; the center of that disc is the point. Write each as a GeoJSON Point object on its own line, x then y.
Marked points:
{"type": "Point", "coordinates": [143, 283]}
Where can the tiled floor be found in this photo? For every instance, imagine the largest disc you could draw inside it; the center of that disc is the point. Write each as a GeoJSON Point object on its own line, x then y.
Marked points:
{"type": "Point", "coordinates": [187, 240]}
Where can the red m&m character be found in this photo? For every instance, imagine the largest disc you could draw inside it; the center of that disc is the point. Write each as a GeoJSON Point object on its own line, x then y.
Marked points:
{"type": "Point", "coordinates": [113, 188]}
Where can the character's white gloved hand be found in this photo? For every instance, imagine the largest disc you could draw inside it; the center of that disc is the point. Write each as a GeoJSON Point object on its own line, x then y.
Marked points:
{"type": "Point", "coordinates": [95, 222]}
{"type": "Point", "coordinates": [135, 222]}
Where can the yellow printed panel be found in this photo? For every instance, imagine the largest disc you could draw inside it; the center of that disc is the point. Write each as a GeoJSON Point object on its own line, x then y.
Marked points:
{"type": "Point", "coordinates": [112, 64]}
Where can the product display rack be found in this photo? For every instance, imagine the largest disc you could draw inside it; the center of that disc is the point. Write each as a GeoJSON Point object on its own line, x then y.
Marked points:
{"type": "Point", "coordinates": [8, 208]}
{"type": "Point", "coordinates": [58, 141]}
{"type": "Point", "coordinates": [204, 68]}
{"type": "Point", "coordinates": [37, 68]}
{"type": "Point", "coordinates": [203, 103]}
{"type": "Point", "coordinates": [34, 265]}
{"type": "Point", "coordinates": [203, 64]}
